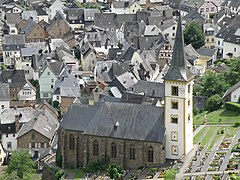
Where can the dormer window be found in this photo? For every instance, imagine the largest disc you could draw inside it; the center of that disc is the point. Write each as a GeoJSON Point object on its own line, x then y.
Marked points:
{"type": "Point", "coordinates": [174, 90]}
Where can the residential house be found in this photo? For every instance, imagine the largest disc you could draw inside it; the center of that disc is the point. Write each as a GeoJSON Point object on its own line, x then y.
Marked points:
{"type": "Point", "coordinates": [12, 45]}
{"type": "Point", "coordinates": [4, 96]}
{"type": "Point", "coordinates": [89, 16]}
{"type": "Point", "coordinates": [228, 40]}
{"type": "Point", "coordinates": [120, 7]}
{"type": "Point", "coordinates": [233, 93]}
{"type": "Point", "coordinates": [210, 30]}
{"type": "Point", "coordinates": [20, 89]}
{"type": "Point", "coordinates": [187, 6]}
{"type": "Point", "coordinates": [58, 26]}
{"type": "Point", "coordinates": [208, 9]}
{"type": "Point", "coordinates": [11, 20]}
{"type": "Point", "coordinates": [41, 14]}
{"type": "Point", "coordinates": [36, 134]}
{"type": "Point", "coordinates": [57, 7]}
{"type": "Point", "coordinates": [65, 91]}
{"type": "Point", "coordinates": [26, 61]}
{"type": "Point", "coordinates": [69, 39]}
{"type": "Point", "coordinates": [169, 27]}
{"type": "Point", "coordinates": [12, 8]}
{"type": "Point", "coordinates": [30, 14]}
{"type": "Point", "coordinates": [134, 7]}
{"type": "Point", "coordinates": [83, 123]}
{"type": "Point", "coordinates": [11, 122]}
{"type": "Point", "coordinates": [207, 56]}
{"type": "Point", "coordinates": [105, 21]}
{"type": "Point", "coordinates": [27, 94]}
{"type": "Point", "coordinates": [88, 57]}
{"type": "Point", "coordinates": [75, 18]}
{"type": "Point", "coordinates": [48, 77]}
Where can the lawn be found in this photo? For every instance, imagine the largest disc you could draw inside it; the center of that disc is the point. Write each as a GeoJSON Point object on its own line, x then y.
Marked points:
{"type": "Point", "coordinates": [199, 135]}
{"type": "Point", "coordinates": [79, 173]}
{"type": "Point", "coordinates": [170, 174]}
{"type": "Point", "coordinates": [231, 131]}
{"type": "Point", "coordinates": [220, 116]}
{"type": "Point", "coordinates": [208, 135]}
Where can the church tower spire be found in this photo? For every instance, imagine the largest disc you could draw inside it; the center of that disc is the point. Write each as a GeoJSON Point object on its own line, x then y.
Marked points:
{"type": "Point", "coordinates": [178, 83]}
{"type": "Point", "coordinates": [178, 70]}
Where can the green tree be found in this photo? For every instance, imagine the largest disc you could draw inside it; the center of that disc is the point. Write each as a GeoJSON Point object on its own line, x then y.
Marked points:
{"type": "Point", "coordinates": [22, 164]}
{"type": "Point", "coordinates": [193, 34]}
{"type": "Point", "coordinates": [213, 103]}
{"type": "Point", "coordinates": [114, 171]}
{"type": "Point", "coordinates": [12, 176]}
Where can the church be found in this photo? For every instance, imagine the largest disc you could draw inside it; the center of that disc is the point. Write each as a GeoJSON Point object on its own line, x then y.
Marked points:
{"type": "Point", "coordinates": [133, 135]}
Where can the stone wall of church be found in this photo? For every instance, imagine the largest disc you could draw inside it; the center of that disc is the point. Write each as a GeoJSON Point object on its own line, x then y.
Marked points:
{"type": "Point", "coordinates": [84, 151]}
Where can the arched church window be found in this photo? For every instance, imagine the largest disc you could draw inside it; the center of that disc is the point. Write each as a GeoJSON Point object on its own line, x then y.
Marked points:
{"type": "Point", "coordinates": [174, 90]}
{"type": "Point", "coordinates": [71, 142]}
{"type": "Point", "coordinates": [113, 150]}
{"type": "Point", "coordinates": [174, 104]}
{"type": "Point", "coordinates": [150, 154]}
{"type": "Point", "coordinates": [132, 152]}
{"type": "Point", "coordinates": [95, 148]}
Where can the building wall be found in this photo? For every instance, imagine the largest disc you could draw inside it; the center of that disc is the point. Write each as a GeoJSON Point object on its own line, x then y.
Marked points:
{"type": "Point", "coordinates": [231, 48]}
{"type": "Point", "coordinates": [27, 93]}
{"type": "Point", "coordinates": [84, 151]}
{"type": "Point", "coordinates": [25, 140]}
{"type": "Point", "coordinates": [134, 8]}
{"type": "Point", "coordinates": [59, 29]}
{"type": "Point", "coordinates": [46, 82]}
{"type": "Point", "coordinates": [45, 18]}
{"type": "Point", "coordinates": [38, 34]}
{"type": "Point", "coordinates": [4, 105]}
{"type": "Point", "coordinates": [235, 95]}
{"type": "Point", "coordinates": [89, 62]}
{"type": "Point", "coordinates": [9, 138]}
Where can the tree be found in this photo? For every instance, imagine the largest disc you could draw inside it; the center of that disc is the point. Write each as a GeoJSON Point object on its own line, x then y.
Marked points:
{"type": "Point", "coordinates": [12, 176]}
{"type": "Point", "coordinates": [214, 102]}
{"type": "Point", "coordinates": [21, 163]}
{"type": "Point", "coordinates": [114, 171]}
{"type": "Point", "coordinates": [193, 34]}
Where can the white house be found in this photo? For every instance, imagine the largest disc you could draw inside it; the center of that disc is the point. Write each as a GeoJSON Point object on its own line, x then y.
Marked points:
{"type": "Point", "coordinates": [4, 96]}
{"type": "Point", "coordinates": [57, 6]}
{"type": "Point", "coordinates": [120, 7]}
{"type": "Point", "coordinates": [27, 93]}
{"type": "Point", "coordinates": [233, 93]}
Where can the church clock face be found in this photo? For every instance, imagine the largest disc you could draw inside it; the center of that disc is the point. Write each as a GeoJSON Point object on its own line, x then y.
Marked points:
{"type": "Point", "coordinates": [181, 90]}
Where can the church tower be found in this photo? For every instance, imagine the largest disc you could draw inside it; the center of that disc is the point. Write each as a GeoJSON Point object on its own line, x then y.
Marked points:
{"type": "Point", "coordinates": [178, 102]}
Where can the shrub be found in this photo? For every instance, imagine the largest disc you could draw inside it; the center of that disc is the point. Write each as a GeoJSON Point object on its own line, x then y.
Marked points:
{"type": "Point", "coordinates": [213, 103]}
{"type": "Point", "coordinates": [59, 174]}
{"type": "Point", "coordinates": [237, 124]}
{"type": "Point", "coordinates": [231, 106]}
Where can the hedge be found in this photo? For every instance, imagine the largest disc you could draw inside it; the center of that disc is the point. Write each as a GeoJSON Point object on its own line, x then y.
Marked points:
{"type": "Point", "coordinates": [232, 106]}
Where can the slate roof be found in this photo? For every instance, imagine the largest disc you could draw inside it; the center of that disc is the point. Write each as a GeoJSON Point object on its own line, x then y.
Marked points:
{"type": "Point", "coordinates": [234, 3]}
{"type": "Point", "coordinates": [28, 26]}
{"type": "Point", "coordinates": [127, 53]}
{"type": "Point", "coordinates": [194, 15]}
{"type": "Point", "coordinates": [75, 13]}
{"type": "Point", "coordinates": [13, 39]}
{"type": "Point", "coordinates": [78, 117]}
{"type": "Point", "coordinates": [30, 14]}
{"type": "Point", "coordinates": [192, 3]}
{"type": "Point", "coordinates": [40, 11]}
{"type": "Point", "coordinates": [231, 89]}
{"type": "Point", "coordinates": [4, 92]}
{"type": "Point", "coordinates": [105, 20]}
{"type": "Point", "coordinates": [28, 51]}
{"type": "Point", "coordinates": [12, 18]}
{"type": "Point", "coordinates": [89, 14]}
{"type": "Point", "coordinates": [40, 125]}
{"type": "Point", "coordinates": [17, 77]}
{"type": "Point", "coordinates": [178, 69]}
{"type": "Point", "coordinates": [150, 89]}
{"type": "Point", "coordinates": [206, 51]}
{"type": "Point", "coordinates": [56, 67]}
{"type": "Point", "coordinates": [121, 18]}
{"type": "Point", "coordinates": [138, 122]}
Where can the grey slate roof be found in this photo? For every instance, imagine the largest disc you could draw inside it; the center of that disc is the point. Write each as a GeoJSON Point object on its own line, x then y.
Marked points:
{"type": "Point", "coordinates": [13, 39]}
{"type": "Point", "coordinates": [40, 125]}
{"type": "Point", "coordinates": [231, 89]}
{"type": "Point", "coordinates": [150, 89]}
{"type": "Point", "coordinates": [30, 14]}
{"type": "Point", "coordinates": [105, 20]}
{"type": "Point", "coordinates": [56, 67]}
{"type": "Point", "coordinates": [89, 14]}
{"type": "Point", "coordinates": [194, 15]}
{"type": "Point", "coordinates": [40, 11]}
{"type": "Point", "coordinates": [4, 92]}
{"type": "Point", "coordinates": [138, 122]}
{"type": "Point", "coordinates": [75, 13]}
{"type": "Point", "coordinates": [17, 77]}
{"type": "Point", "coordinates": [178, 69]}
{"type": "Point", "coordinates": [206, 51]}
{"type": "Point", "coordinates": [12, 18]}
{"type": "Point", "coordinates": [28, 51]}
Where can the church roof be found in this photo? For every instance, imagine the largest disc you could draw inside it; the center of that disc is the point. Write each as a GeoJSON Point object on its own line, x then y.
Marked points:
{"type": "Point", "coordinates": [178, 70]}
{"type": "Point", "coordinates": [136, 121]}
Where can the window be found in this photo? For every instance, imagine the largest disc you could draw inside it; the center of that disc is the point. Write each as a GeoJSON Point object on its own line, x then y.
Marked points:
{"type": "Point", "coordinates": [174, 104]}
{"type": "Point", "coordinates": [52, 80]}
{"type": "Point", "coordinates": [42, 145]}
{"type": "Point", "coordinates": [150, 154]}
{"type": "Point", "coordinates": [174, 136]}
{"type": "Point", "coordinates": [212, 8]}
{"type": "Point", "coordinates": [174, 150]}
{"type": "Point", "coordinates": [132, 152]}
{"type": "Point", "coordinates": [51, 86]}
{"type": "Point", "coordinates": [71, 142]}
{"type": "Point", "coordinates": [173, 28]}
{"type": "Point", "coordinates": [13, 89]}
{"type": "Point", "coordinates": [235, 49]}
{"type": "Point", "coordinates": [173, 34]}
{"type": "Point", "coordinates": [114, 150]}
{"type": "Point", "coordinates": [9, 145]}
{"type": "Point", "coordinates": [95, 148]}
{"type": "Point", "coordinates": [218, 42]}
{"type": "Point", "coordinates": [175, 90]}
{"type": "Point", "coordinates": [189, 88]}
{"type": "Point", "coordinates": [32, 145]}
{"type": "Point", "coordinates": [174, 119]}
{"type": "Point", "coordinates": [57, 97]}
{"type": "Point", "coordinates": [45, 94]}
{"type": "Point", "coordinates": [6, 135]}
{"type": "Point", "coordinates": [48, 73]}
{"type": "Point", "coordinates": [2, 106]}
{"type": "Point", "coordinates": [189, 102]}
{"type": "Point", "coordinates": [189, 117]}
{"type": "Point", "coordinates": [207, 9]}
{"type": "Point", "coordinates": [13, 134]}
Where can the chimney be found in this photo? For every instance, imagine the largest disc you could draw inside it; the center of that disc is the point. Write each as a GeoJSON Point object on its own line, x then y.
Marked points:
{"type": "Point", "coordinates": [116, 126]}
{"type": "Point", "coordinates": [17, 118]}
